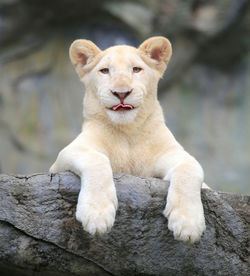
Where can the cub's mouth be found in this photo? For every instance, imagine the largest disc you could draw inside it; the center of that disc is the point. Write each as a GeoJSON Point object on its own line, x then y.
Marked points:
{"type": "Point", "coordinates": [122, 107]}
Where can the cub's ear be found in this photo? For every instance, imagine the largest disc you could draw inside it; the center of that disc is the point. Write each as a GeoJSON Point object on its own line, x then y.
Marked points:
{"type": "Point", "coordinates": [156, 52]}
{"type": "Point", "coordinates": [82, 54]}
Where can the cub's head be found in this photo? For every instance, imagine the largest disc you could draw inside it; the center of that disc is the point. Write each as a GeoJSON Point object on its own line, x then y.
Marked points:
{"type": "Point", "coordinates": [121, 82]}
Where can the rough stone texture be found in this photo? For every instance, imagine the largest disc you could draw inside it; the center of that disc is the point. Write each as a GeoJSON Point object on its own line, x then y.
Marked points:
{"type": "Point", "coordinates": [40, 236]}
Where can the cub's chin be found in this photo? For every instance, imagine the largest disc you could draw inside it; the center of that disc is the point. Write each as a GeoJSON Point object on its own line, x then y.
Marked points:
{"type": "Point", "coordinates": [122, 116]}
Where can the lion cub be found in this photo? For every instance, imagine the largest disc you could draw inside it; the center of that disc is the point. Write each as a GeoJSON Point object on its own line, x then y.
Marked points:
{"type": "Point", "coordinates": [124, 131]}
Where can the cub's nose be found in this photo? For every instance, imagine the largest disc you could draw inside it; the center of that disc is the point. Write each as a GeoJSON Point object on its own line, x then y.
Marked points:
{"type": "Point", "coordinates": [121, 95]}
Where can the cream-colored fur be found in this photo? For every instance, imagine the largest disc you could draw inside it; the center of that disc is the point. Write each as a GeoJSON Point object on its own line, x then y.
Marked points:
{"type": "Point", "coordinates": [131, 140]}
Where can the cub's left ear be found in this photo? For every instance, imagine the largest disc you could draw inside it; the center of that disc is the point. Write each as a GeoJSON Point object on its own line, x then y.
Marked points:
{"type": "Point", "coordinates": [83, 55]}
{"type": "Point", "coordinates": [156, 52]}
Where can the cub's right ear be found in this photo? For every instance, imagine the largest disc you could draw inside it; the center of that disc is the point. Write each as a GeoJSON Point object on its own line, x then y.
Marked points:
{"type": "Point", "coordinates": [156, 52]}
{"type": "Point", "coordinates": [82, 54]}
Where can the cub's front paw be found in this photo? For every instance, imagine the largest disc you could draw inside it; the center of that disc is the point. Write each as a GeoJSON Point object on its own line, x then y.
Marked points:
{"type": "Point", "coordinates": [53, 168]}
{"type": "Point", "coordinates": [186, 221]}
{"type": "Point", "coordinates": [97, 214]}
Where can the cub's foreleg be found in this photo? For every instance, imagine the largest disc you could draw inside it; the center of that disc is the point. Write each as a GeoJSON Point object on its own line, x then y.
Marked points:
{"type": "Point", "coordinates": [97, 201]}
{"type": "Point", "coordinates": [184, 208]}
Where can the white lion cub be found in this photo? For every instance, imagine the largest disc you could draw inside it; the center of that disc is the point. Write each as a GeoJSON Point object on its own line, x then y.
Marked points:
{"type": "Point", "coordinates": [124, 131]}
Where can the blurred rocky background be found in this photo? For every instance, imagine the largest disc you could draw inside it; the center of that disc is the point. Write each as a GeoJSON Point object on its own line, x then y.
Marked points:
{"type": "Point", "coordinates": [205, 92]}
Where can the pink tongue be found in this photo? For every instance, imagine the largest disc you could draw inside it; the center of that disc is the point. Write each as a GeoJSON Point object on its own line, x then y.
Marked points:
{"type": "Point", "coordinates": [127, 106]}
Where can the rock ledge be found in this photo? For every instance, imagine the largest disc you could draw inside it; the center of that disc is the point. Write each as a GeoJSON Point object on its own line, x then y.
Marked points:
{"type": "Point", "coordinates": [40, 236]}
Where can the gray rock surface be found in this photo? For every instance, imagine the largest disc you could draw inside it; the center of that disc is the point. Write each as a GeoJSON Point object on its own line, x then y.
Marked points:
{"type": "Point", "coordinates": [39, 234]}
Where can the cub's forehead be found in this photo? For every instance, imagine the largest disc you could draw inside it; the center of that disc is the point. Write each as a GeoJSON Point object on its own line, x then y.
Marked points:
{"type": "Point", "coordinates": [118, 55]}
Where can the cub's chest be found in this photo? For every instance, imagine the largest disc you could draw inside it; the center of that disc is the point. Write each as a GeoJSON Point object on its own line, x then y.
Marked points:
{"type": "Point", "coordinates": [133, 156]}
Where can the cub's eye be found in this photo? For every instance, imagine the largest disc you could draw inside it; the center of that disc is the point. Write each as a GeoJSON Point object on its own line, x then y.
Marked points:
{"type": "Point", "coordinates": [137, 69]}
{"type": "Point", "coordinates": [104, 71]}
